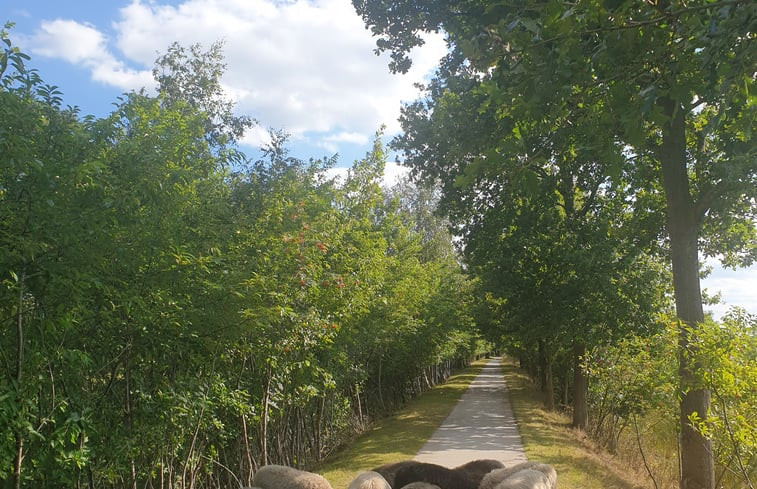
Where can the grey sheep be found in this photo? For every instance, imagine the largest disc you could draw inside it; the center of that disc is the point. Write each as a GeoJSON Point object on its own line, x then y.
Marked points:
{"type": "Point", "coordinates": [369, 480]}
{"type": "Point", "coordinates": [420, 485]}
{"type": "Point", "coordinates": [496, 476]}
{"type": "Point", "coordinates": [433, 474]}
{"type": "Point", "coordinates": [283, 477]}
{"type": "Point", "coordinates": [389, 471]}
{"type": "Point", "coordinates": [477, 469]}
{"type": "Point", "coordinates": [526, 479]}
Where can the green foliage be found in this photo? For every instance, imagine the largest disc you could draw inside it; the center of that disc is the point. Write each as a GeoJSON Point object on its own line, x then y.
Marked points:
{"type": "Point", "coordinates": [173, 313]}
{"type": "Point", "coordinates": [643, 105]}
{"type": "Point", "coordinates": [636, 379]}
{"type": "Point", "coordinates": [632, 378]}
{"type": "Point", "coordinates": [192, 77]}
{"type": "Point", "coordinates": [725, 354]}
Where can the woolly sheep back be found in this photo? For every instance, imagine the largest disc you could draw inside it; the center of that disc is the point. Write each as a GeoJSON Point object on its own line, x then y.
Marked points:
{"type": "Point", "coordinates": [498, 475]}
{"type": "Point", "coordinates": [548, 471]}
{"type": "Point", "coordinates": [526, 479]}
{"type": "Point", "coordinates": [283, 477]}
{"type": "Point", "coordinates": [420, 485]}
{"type": "Point", "coordinates": [389, 471]}
{"type": "Point", "coordinates": [434, 474]}
{"type": "Point", "coordinates": [477, 469]}
{"type": "Point", "coordinates": [369, 480]}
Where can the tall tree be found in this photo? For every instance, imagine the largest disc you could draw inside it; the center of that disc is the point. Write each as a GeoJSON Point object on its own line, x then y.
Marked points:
{"type": "Point", "coordinates": [192, 76]}
{"type": "Point", "coordinates": [669, 84]}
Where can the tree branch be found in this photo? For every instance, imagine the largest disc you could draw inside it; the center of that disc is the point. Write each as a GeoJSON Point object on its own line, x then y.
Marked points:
{"type": "Point", "coordinates": [641, 451]}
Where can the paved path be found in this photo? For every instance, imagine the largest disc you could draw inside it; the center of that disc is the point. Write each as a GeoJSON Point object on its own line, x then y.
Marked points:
{"type": "Point", "coordinates": [480, 426]}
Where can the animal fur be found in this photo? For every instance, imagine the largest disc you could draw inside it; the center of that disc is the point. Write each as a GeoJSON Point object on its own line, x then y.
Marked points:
{"type": "Point", "coordinates": [526, 479]}
{"type": "Point", "coordinates": [477, 469]}
{"type": "Point", "coordinates": [369, 480]}
{"type": "Point", "coordinates": [433, 474]}
{"type": "Point", "coordinates": [420, 485]}
{"type": "Point", "coordinates": [496, 476]}
{"type": "Point", "coordinates": [283, 477]}
{"type": "Point", "coordinates": [389, 471]}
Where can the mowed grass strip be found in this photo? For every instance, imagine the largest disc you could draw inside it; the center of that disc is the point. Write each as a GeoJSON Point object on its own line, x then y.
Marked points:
{"type": "Point", "coordinates": [400, 436]}
{"type": "Point", "coordinates": [548, 438]}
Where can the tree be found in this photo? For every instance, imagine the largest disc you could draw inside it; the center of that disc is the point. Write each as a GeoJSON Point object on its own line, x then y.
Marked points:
{"type": "Point", "coordinates": [193, 77]}
{"type": "Point", "coordinates": [667, 84]}
{"type": "Point", "coordinates": [47, 171]}
{"type": "Point", "coordinates": [174, 314]}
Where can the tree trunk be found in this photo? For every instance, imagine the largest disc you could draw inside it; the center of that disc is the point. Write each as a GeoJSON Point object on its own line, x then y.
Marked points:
{"type": "Point", "coordinates": [697, 463]}
{"type": "Point", "coordinates": [380, 395]}
{"type": "Point", "coordinates": [264, 417]}
{"type": "Point", "coordinates": [19, 455]}
{"type": "Point", "coordinates": [548, 387]}
{"type": "Point", "coordinates": [580, 388]}
{"type": "Point", "coordinates": [565, 389]}
{"type": "Point", "coordinates": [359, 405]}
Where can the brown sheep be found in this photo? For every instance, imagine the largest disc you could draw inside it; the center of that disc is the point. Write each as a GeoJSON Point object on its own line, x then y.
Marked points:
{"type": "Point", "coordinates": [433, 474]}
{"type": "Point", "coordinates": [477, 469]}
{"type": "Point", "coordinates": [389, 471]}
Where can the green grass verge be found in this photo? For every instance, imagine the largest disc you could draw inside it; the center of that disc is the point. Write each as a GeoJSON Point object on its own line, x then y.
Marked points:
{"type": "Point", "coordinates": [547, 437]}
{"type": "Point", "coordinates": [400, 436]}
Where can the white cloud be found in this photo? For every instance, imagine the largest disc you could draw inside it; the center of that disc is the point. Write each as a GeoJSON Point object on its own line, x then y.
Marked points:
{"type": "Point", "coordinates": [331, 142]}
{"type": "Point", "coordinates": [257, 137]}
{"type": "Point", "coordinates": [84, 45]}
{"type": "Point", "coordinates": [340, 173]}
{"type": "Point", "coordinates": [736, 287]}
{"type": "Point", "coordinates": [306, 66]}
{"type": "Point", "coordinates": [393, 172]}
{"type": "Point", "coordinates": [348, 137]}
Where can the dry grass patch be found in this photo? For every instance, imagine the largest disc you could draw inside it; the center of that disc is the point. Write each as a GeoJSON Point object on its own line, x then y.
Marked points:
{"type": "Point", "coordinates": [547, 437]}
{"type": "Point", "coordinates": [401, 436]}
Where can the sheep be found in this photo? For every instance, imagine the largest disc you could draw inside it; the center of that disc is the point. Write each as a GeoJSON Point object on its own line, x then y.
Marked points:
{"type": "Point", "coordinates": [282, 477]}
{"type": "Point", "coordinates": [433, 474]}
{"type": "Point", "coordinates": [420, 485]}
{"type": "Point", "coordinates": [526, 479]}
{"type": "Point", "coordinates": [389, 471]}
{"type": "Point", "coordinates": [549, 472]}
{"type": "Point", "coordinates": [477, 469]}
{"type": "Point", "coordinates": [369, 480]}
{"type": "Point", "coordinates": [498, 475]}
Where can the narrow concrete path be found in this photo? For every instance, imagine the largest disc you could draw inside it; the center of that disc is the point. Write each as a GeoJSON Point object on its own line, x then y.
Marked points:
{"type": "Point", "coordinates": [480, 426]}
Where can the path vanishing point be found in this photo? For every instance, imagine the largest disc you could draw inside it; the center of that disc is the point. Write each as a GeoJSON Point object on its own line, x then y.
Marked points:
{"type": "Point", "coordinates": [480, 426]}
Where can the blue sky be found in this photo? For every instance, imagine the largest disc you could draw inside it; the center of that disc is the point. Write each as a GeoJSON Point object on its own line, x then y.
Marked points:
{"type": "Point", "coordinates": [307, 67]}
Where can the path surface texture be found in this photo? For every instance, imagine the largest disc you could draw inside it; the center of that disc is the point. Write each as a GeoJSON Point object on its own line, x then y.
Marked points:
{"type": "Point", "coordinates": [480, 426]}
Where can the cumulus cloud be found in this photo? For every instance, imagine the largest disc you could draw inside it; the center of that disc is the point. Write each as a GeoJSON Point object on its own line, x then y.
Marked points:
{"type": "Point", "coordinates": [84, 45]}
{"type": "Point", "coordinates": [306, 65]}
{"type": "Point", "coordinates": [735, 286]}
{"type": "Point", "coordinates": [393, 173]}
{"type": "Point", "coordinates": [331, 142]}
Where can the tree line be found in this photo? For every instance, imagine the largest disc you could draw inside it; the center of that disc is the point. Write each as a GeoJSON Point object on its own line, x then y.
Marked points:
{"type": "Point", "coordinates": [590, 153]}
{"type": "Point", "coordinates": [584, 155]}
{"type": "Point", "coordinates": [175, 314]}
